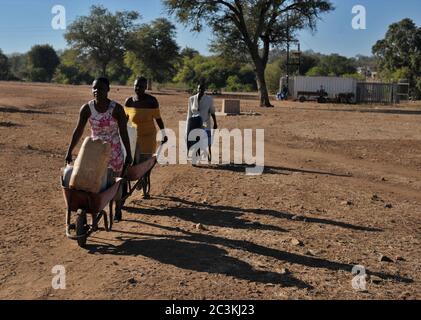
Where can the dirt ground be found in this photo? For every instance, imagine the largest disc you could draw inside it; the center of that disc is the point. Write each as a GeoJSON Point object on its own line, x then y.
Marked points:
{"type": "Point", "coordinates": [343, 182]}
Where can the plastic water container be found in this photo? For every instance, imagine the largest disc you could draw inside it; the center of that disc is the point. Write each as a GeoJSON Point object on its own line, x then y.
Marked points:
{"type": "Point", "coordinates": [67, 174]}
{"type": "Point", "coordinates": [132, 131]}
{"type": "Point", "coordinates": [107, 180]}
{"type": "Point", "coordinates": [91, 166]}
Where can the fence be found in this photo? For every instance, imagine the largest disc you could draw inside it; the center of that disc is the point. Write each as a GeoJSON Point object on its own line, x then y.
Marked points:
{"type": "Point", "coordinates": [387, 93]}
{"type": "Point", "coordinates": [403, 90]}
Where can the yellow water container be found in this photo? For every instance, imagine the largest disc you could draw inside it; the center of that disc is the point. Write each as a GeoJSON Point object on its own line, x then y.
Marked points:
{"type": "Point", "coordinates": [91, 166]}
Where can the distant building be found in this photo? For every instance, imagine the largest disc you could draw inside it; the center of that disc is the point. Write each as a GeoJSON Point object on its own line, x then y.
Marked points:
{"type": "Point", "coordinates": [368, 73]}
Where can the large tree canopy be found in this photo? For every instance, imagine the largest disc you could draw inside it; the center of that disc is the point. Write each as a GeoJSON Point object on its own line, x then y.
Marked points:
{"type": "Point", "coordinates": [251, 27]}
{"type": "Point", "coordinates": [155, 48]}
{"type": "Point", "coordinates": [101, 36]}
{"type": "Point", "coordinates": [42, 62]}
{"type": "Point", "coordinates": [399, 54]}
{"type": "Point", "coordinates": [333, 65]}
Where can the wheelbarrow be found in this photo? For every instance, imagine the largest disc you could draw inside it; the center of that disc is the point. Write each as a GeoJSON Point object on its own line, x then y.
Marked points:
{"type": "Point", "coordinates": [84, 203]}
{"type": "Point", "coordinates": [134, 177]}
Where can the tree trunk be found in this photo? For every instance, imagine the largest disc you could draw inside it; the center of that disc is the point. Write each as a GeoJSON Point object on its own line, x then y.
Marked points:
{"type": "Point", "coordinates": [149, 83]}
{"type": "Point", "coordinates": [261, 85]}
{"type": "Point", "coordinates": [104, 70]}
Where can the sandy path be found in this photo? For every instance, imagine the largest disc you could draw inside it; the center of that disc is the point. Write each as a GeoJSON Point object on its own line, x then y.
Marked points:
{"type": "Point", "coordinates": [317, 158]}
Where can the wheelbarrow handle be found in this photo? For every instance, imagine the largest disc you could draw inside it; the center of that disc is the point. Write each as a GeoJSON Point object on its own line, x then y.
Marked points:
{"type": "Point", "coordinates": [124, 172]}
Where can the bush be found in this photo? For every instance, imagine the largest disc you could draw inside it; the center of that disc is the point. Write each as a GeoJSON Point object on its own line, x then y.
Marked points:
{"type": "Point", "coordinates": [273, 75]}
{"type": "Point", "coordinates": [4, 67]}
{"type": "Point", "coordinates": [317, 71]}
{"type": "Point", "coordinates": [72, 75]}
{"type": "Point", "coordinates": [38, 75]}
{"type": "Point", "coordinates": [416, 92]}
{"type": "Point", "coordinates": [356, 76]}
{"type": "Point", "coordinates": [42, 62]}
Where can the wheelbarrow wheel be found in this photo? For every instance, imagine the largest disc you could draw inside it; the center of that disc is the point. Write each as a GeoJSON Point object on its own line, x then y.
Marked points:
{"type": "Point", "coordinates": [81, 228]}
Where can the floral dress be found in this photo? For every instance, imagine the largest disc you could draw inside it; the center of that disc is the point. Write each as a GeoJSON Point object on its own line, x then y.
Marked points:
{"type": "Point", "coordinates": [105, 127]}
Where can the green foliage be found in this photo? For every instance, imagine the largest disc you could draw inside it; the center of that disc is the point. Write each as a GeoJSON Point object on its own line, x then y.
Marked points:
{"type": "Point", "coordinates": [135, 65]}
{"type": "Point", "coordinates": [273, 74]}
{"type": "Point", "coordinates": [217, 72]}
{"type": "Point", "coordinates": [356, 76]}
{"type": "Point", "coordinates": [336, 65]}
{"type": "Point", "coordinates": [38, 75]}
{"type": "Point", "coordinates": [417, 88]}
{"type": "Point", "coordinates": [189, 52]}
{"type": "Point", "coordinates": [155, 49]}
{"type": "Point", "coordinates": [234, 84]}
{"type": "Point", "coordinates": [244, 31]}
{"type": "Point", "coordinates": [277, 67]}
{"type": "Point", "coordinates": [399, 54]}
{"type": "Point", "coordinates": [18, 66]}
{"type": "Point", "coordinates": [317, 71]}
{"type": "Point", "coordinates": [308, 61]}
{"type": "Point", "coordinates": [72, 75]}
{"type": "Point", "coordinates": [102, 36]}
{"type": "Point", "coordinates": [247, 76]}
{"type": "Point", "coordinates": [74, 69]}
{"type": "Point", "coordinates": [42, 63]}
{"type": "Point", "coordinates": [402, 73]}
{"type": "Point", "coordinates": [4, 67]}
{"type": "Point", "coordinates": [364, 61]}
{"type": "Point", "coordinates": [333, 65]}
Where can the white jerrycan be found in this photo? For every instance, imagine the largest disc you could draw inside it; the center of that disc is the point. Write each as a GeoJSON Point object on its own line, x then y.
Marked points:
{"type": "Point", "coordinates": [132, 131]}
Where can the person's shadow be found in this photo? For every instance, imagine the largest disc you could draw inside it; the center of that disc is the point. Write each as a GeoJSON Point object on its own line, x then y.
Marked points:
{"type": "Point", "coordinates": [200, 257]}
{"type": "Point", "coordinates": [206, 215]}
{"type": "Point", "coordinates": [241, 168]}
{"type": "Point", "coordinates": [229, 216]}
{"type": "Point", "coordinates": [201, 252]}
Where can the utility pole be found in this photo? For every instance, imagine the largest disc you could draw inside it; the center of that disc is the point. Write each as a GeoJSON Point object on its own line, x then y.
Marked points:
{"type": "Point", "coordinates": [295, 62]}
{"type": "Point", "coordinates": [288, 40]}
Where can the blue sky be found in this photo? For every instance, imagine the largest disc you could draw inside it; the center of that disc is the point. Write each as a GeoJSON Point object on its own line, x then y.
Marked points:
{"type": "Point", "coordinates": [24, 23]}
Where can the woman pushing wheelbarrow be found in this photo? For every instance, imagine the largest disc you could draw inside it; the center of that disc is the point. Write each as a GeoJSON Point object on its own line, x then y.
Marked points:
{"type": "Point", "coordinates": [143, 111]}
{"type": "Point", "coordinates": [108, 123]}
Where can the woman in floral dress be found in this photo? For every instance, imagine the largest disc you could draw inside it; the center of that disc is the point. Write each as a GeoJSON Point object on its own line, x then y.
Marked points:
{"type": "Point", "coordinates": [108, 122]}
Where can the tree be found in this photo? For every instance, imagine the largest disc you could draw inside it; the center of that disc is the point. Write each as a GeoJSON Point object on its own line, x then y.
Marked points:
{"type": "Point", "coordinates": [42, 63]}
{"type": "Point", "coordinates": [119, 73]}
{"type": "Point", "coordinates": [156, 50]}
{"type": "Point", "coordinates": [317, 71]}
{"type": "Point", "coordinates": [198, 67]}
{"type": "Point", "coordinates": [364, 61]}
{"type": "Point", "coordinates": [4, 67]}
{"type": "Point", "coordinates": [18, 66]}
{"type": "Point", "coordinates": [101, 36]}
{"type": "Point", "coordinates": [333, 65]}
{"type": "Point", "coordinates": [277, 67]}
{"type": "Point", "coordinates": [218, 73]}
{"type": "Point", "coordinates": [74, 69]}
{"type": "Point", "coordinates": [400, 53]}
{"type": "Point", "coordinates": [307, 62]}
{"type": "Point", "coordinates": [273, 74]}
{"type": "Point", "coordinates": [250, 28]}
{"type": "Point", "coordinates": [188, 52]}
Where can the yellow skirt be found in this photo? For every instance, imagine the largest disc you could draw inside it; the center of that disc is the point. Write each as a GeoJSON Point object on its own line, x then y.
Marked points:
{"type": "Point", "coordinates": [146, 144]}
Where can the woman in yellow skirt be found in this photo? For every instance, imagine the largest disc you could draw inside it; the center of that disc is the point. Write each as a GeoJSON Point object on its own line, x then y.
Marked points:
{"type": "Point", "coordinates": [142, 111]}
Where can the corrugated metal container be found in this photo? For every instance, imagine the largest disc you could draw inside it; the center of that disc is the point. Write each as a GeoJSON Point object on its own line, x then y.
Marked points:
{"type": "Point", "coordinates": [332, 85]}
{"type": "Point", "coordinates": [378, 93]}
